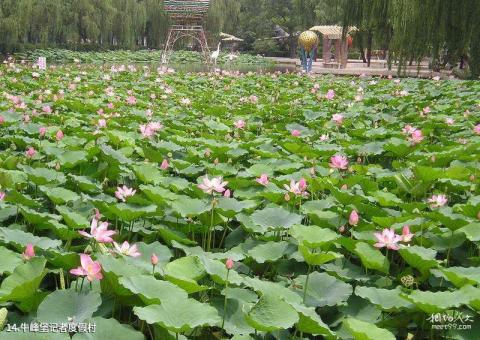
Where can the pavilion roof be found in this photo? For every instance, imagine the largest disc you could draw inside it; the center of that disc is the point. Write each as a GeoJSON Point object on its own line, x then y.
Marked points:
{"type": "Point", "coordinates": [186, 7]}
{"type": "Point", "coordinates": [332, 31]}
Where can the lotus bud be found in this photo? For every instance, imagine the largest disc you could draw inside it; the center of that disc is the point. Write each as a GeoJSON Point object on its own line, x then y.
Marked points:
{"type": "Point", "coordinates": [344, 187]}
{"type": "Point", "coordinates": [229, 264]}
{"type": "Point", "coordinates": [29, 252]}
{"type": "Point", "coordinates": [287, 197]}
{"type": "Point", "coordinates": [227, 193]}
{"type": "Point", "coordinates": [154, 259]}
{"type": "Point", "coordinates": [433, 159]}
{"type": "Point", "coordinates": [341, 229]}
{"type": "Point", "coordinates": [215, 161]}
{"type": "Point", "coordinates": [359, 160]}
{"type": "Point", "coordinates": [471, 178]}
{"type": "Point", "coordinates": [354, 218]}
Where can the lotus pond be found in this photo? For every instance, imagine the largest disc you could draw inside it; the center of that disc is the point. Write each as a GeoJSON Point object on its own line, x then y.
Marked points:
{"type": "Point", "coordinates": [139, 203]}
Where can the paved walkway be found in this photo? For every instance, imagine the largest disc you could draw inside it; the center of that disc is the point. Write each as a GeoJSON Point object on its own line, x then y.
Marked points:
{"type": "Point", "coordinates": [357, 67]}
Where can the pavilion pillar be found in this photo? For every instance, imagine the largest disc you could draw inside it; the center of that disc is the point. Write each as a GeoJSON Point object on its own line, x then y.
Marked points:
{"type": "Point", "coordinates": [326, 47]}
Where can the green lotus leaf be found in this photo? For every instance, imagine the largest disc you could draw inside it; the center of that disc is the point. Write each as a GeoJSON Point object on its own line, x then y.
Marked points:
{"type": "Point", "coordinates": [271, 313]}
{"type": "Point", "coordinates": [179, 315]}
{"type": "Point", "coordinates": [322, 290]}
{"type": "Point", "coordinates": [366, 330]}
{"type": "Point", "coordinates": [372, 258]}
{"type": "Point", "coordinates": [275, 218]}
{"type": "Point", "coordinates": [60, 195]}
{"type": "Point", "coordinates": [109, 329]}
{"type": "Point", "coordinates": [63, 304]}
{"type": "Point", "coordinates": [386, 299]}
{"type": "Point", "coordinates": [24, 281]}
{"type": "Point", "coordinates": [151, 290]}
{"type": "Point", "coordinates": [185, 272]}
{"type": "Point", "coordinates": [419, 257]}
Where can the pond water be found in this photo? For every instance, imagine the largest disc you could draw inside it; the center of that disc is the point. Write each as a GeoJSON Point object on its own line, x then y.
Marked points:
{"type": "Point", "coordinates": [242, 68]}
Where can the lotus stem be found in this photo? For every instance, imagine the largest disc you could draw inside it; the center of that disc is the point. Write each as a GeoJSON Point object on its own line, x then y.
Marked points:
{"type": "Point", "coordinates": [225, 301]}
{"type": "Point", "coordinates": [306, 284]}
{"type": "Point", "coordinates": [209, 240]}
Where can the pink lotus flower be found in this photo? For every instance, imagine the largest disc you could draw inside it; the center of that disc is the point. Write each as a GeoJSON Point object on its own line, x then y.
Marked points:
{"type": "Point", "coordinates": [102, 123]}
{"type": "Point", "coordinates": [215, 184]}
{"type": "Point", "coordinates": [30, 153]}
{"type": "Point", "coordinates": [426, 110]}
{"type": "Point", "coordinates": [338, 162]}
{"type": "Point", "coordinates": [298, 188]}
{"type": "Point", "coordinates": [42, 131]}
{"type": "Point", "coordinates": [2, 119]}
{"type": "Point", "coordinates": [186, 101]}
{"type": "Point", "coordinates": [253, 99]}
{"type": "Point", "coordinates": [476, 129]}
{"type": "Point", "coordinates": [406, 234]}
{"type": "Point", "coordinates": [59, 135]}
{"type": "Point", "coordinates": [127, 249]}
{"type": "Point", "coordinates": [353, 218]}
{"type": "Point", "coordinates": [416, 137]}
{"type": "Point", "coordinates": [338, 118]}
{"type": "Point", "coordinates": [150, 129]}
{"type": "Point", "coordinates": [324, 138]}
{"type": "Point", "coordinates": [89, 268]}
{"type": "Point", "coordinates": [131, 100]}
{"type": "Point", "coordinates": [227, 193]}
{"type": "Point", "coordinates": [330, 94]}
{"type": "Point", "coordinates": [154, 260]}
{"type": "Point", "coordinates": [387, 239]}
{"type": "Point", "coordinates": [2, 195]}
{"type": "Point", "coordinates": [296, 133]}
{"type": "Point", "coordinates": [164, 165]}
{"type": "Point", "coordinates": [146, 131]}
{"type": "Point", "coordinates": [449, 121]}
{"type": "Point", "coordinates": [229, 264]}
{"type": "Point", "coordinates": [263, 179]}
{"type": "Point", "coordinates": [47, 109]}
{"type": "Point", "coordinates": [99, 232]}
{"type": "Point", "coordinates": [240, 124]}
{"type": "Point", "coordinates": [123, 192]}
{"type": "Point", "coordinates": [110, 105]}
{"type": "Point", "coordinates": [29, 252]}
{"type": "Point", "coordinates": [437, 201]}
{"type": "Point", "coordinates": [408, 129]}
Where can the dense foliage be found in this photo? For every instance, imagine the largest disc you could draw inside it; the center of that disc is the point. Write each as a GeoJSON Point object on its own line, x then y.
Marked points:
{"type": "Point", "coordinates": [250, 204]}
{"type": "Point", "coordinates": [140, 56]}
{"type": "Point", "coordinates": [446, 31]}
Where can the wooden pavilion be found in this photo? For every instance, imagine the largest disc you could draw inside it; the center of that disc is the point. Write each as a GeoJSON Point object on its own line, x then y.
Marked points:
{"type": "Point", "coordinates": [333, 36]}
{"type": "Point", "coordinates": [187, 20]}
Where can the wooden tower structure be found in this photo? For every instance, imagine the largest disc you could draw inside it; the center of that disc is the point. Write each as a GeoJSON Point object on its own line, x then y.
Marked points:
{"type": "Point", "coordinates": [187, 20]}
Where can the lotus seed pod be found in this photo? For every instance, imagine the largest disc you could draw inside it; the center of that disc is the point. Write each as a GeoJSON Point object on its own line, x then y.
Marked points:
{"type": "Point", "coordinates": [407, 280]}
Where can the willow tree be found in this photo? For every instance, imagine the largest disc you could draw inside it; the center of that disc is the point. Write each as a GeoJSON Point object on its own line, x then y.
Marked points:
{"type": "Point", "coordinates": [445, 31]}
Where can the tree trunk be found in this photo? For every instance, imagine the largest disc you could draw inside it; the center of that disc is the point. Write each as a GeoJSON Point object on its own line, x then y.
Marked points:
{"type": "Point", "coordinates": [369, 47]}
{"type": "Point", "coordinates": [361, 47]}
{"type": "Point", "coordinates": [292, 45]}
